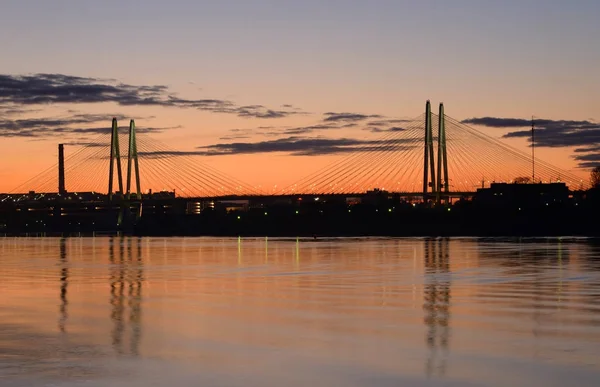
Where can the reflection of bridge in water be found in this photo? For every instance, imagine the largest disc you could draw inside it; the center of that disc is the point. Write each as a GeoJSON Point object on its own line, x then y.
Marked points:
{"type": "Point", "coordinates": [436, 304]}
{"type": "Point", "coordinates": [433, 155]}
{"type": "Point", "coordinates": [126, 278]}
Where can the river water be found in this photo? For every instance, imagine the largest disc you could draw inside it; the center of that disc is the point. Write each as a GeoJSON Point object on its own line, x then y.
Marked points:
{"type": "Point", "coordinates": [112, 311]}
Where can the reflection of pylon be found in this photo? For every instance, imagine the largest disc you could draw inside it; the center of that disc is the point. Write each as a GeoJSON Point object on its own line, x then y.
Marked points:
{"type": "Point", "coordinates": [132, 155]}
{"type": "Point", "coordinates": [115, 155]}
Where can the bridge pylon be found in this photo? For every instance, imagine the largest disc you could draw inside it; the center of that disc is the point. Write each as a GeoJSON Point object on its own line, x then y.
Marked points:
{"type": "Point", "coordinates": [133, 156]}
{"type": "Point", "coordinates": [115, 156]}
{"type": "Point", "coordinates": [441, 184]}
{"type": "Point", "coordinates": [428, 156]}
{"type": "Point", "coordinates": [442, 161]}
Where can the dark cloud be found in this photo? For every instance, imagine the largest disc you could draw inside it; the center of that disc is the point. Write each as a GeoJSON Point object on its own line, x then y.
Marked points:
{"type": "Point", "coordinates": [58, 88]}
{"type": "Point", "coordinates": [589, 160]}
{"type": "Point", "coordinates": [339, 121]}
{"type": "Point", "coordinates": [375, 129]}
{"type": "Point", "coordinates": [303, 146]}
{"type": "Point", "coordinates": [168, 153]}
{"type": "Point", "coordinates": [555, 138]}
{"type": "Point", "coordinates": [588, 149]}
{"type": "Point", "coordinates": [388, 122]}
{"type": "Point", "coordinates": [40, 127]}
{"type": "Point", "coordinates": [259, 111]}
{"type": "Point", "coordinates": [309, 129]}
{"type": "Point", "coordinates": [239, 133]}
{"type": "Point", "coordinates": [154, 129]}
{"type": "Point", "coordinates": [379, 125]}
{"type": "Point", "coordinates": [395, 129]}
{"type": "Point", "coordinates": [41, 89]}
{"type": "Point", "coordinates": [387, 125]}
{"type": "Point", "coordinates": [548, 133]}
{"type": "Point", "coordinates": [12, 110]}
{"type": "Point", "coordinates": [552, 134]}
{"type": "Point", "coordinates": [589, 157]}
{"type": "Point", "coordinates": [87, 144]}
{"type": "Point", "coordinates": [353, 117]}
{"type": "Point", "coordinates": [234, 137]}
{"type": "Point", "coordinates": [494, 122]}
{"type": "Point", "coordinates": [292, 107]}
{"type": "Point", "coordinates": [589, 164]}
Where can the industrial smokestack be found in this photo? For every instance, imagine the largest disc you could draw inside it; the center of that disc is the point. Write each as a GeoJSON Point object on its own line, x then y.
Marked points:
{"type": "Point", "coordinates": [61, 169]}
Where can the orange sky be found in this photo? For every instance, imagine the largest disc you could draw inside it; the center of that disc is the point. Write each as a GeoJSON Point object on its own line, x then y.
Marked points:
{"type": "Point", "coordinates": [509, 61]}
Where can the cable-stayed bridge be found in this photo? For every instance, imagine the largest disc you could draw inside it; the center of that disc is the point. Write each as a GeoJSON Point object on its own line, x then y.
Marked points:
{"type": "Point", "coordinates": [432, 155]}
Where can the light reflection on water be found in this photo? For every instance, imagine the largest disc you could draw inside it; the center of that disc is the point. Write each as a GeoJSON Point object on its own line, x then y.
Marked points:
{"type": "Point", "coordinates": [266, 312]}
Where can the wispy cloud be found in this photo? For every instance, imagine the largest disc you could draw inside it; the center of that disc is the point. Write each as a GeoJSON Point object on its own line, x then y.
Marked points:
{"type": "Point", "coordinates": [273, 131]}
{"type": "Point", "coordinates": [389, 122]}
{"type": "Point", "coordinates": [11, 110]}
{"type": "Point", "coordinates": [386, 125]}
{"type": "Point", "coordinates": [588, 149]}
{"type": "Point", "coordinates": [332, 121]}
{"type": "Point", "coordinates": [375, 129]}
{"type": "Point", "coordinates": [352, 117]}
{"type": "Point", "coordinates": [75, 124]}
{"type": "Point", "coordinates": [310, 129]}
{"type": "Point", "coordinates": [230, 137]}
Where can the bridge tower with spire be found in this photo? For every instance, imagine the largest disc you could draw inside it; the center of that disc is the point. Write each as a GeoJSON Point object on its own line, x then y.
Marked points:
{"type": "Point", "coordinates": [441, 184]}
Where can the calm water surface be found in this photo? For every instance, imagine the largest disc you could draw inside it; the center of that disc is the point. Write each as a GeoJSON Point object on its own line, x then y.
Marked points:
{"type": "Point", "coordinates": [286, 312]}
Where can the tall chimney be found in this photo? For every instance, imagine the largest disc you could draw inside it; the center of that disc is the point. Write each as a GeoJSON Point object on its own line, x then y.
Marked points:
{"type": "Point", "coordinates": [61, 169]}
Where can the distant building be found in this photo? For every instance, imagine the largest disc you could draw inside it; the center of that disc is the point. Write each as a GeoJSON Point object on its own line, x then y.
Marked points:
{"type": "Point", "coordinates": [195, 207]}
{"type": "Point", "coordinates": [514, 195]}
{"type": "Point", "coordinates": [593, 196]}
{"type": "Point", "coordinates": [233, 205]}
{"type": "Point", "coordinates": [159, 195]}
{"type": "Point", "coordinates": [353, 200]}
{"type": "Point", "coordinates": [376, 197]}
